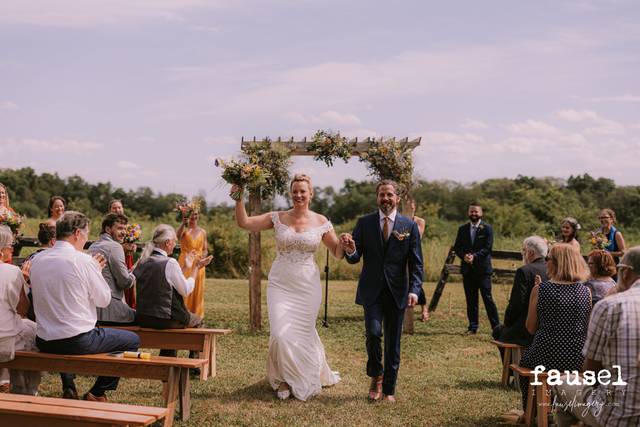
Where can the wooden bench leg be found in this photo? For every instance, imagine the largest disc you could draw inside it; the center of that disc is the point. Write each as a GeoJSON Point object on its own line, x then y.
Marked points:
{"type": "Point", "coordinates": [506, 361]}
{"type": "Point", "coordinates": [542, 409]}
{"type": "Point", "coordinates": [185, 394]}
{"type": "Point", "coordinates": [531, 401]}
{"type": "Point", "coordinates": [171, 397]}
{"type": "Point", "coordinates": [212, 357]}
{"type": "Point", "coordinates": [205, 372]}
{"type": "Point", "coordinates": [515, 358]}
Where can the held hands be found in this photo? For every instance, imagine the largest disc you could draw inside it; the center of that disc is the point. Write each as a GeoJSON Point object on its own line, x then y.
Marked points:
{"type": "Point", "coordinates": [101, 260]}
{"type": "Point", "coordinates": [347, 243]}
{"type": "Point", "coordinates": [468, 258]}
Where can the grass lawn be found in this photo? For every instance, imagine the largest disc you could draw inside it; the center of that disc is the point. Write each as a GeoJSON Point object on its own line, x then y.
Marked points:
{"type": "Point", "coordinates": [445, 379]}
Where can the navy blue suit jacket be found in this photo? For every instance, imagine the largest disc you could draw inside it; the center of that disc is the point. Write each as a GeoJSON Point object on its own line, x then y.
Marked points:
{"type": "Point", "coordinates": [397, 264]}
{"type": "Point", "coordinates": [481, 248]}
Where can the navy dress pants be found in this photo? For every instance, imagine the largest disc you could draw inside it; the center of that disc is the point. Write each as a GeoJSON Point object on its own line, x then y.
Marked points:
{"type": "Point", "coordinates": [97, 340]}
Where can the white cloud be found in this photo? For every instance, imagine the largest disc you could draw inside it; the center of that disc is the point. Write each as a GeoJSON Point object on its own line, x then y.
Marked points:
{"type": "Point", "coordinates": [330, 117]}
{"type": "Point", "coordinates": [598, 125]}
{"type": "Point", "coordinates": [8, 106]}
{"type": "Point", "coordinates": [577, 115]}
{"type": "Point", "coordinates": [89, 14]}
{"type": "Point", "coordinates": [472, 124]}
{"type": "Point", "coordinates": [125, 164]}
{"type": "Point", "coordinates": [620, 98]}
{"type": "Point", "coordinates": [532, 127]}
{"type": "Point", "coordinates": [50, 145]}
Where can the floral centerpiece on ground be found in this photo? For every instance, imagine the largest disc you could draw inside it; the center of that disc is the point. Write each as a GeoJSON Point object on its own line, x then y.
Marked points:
{"type": "Point", "coordinates": [328, 145]}
{"type": "Point", "coordinates": [389, 160]}
{"type": "Point", "coordinates": [185, 208]}
{"type": "Point", "coordinates": [133, 233]}
{"type": "Point", "coordinates": [11, 220]}
{"type": "Point", "coordinates": [598, 240]}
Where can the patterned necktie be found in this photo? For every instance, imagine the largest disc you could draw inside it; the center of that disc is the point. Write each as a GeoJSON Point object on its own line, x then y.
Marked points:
{"type": "Point", "coordinates": [385, 228]}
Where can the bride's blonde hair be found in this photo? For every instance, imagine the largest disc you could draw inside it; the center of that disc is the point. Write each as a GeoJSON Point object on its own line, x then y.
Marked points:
{"type": "Point", "coordinates": [301, 177]}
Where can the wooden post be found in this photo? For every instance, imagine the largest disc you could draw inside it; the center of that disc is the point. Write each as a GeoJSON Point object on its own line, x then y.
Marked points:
{"type": "Point", "coordinates": [255, 273]}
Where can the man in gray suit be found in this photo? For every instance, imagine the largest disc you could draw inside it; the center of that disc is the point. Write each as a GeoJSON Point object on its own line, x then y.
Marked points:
{"type": "Point", "coordinates": [115, 272]}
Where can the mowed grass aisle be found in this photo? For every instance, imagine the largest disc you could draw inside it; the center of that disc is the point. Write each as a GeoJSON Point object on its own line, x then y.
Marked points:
{"type": "Point", "coordinates": [446, 379]}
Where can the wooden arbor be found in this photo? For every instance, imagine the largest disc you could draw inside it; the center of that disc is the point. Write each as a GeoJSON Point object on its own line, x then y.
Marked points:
{"type": "Point", "coordinates": [298, 148]}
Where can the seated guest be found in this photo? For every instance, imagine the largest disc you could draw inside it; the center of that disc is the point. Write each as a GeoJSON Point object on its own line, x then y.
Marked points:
{"type": "Point", "coordinates": [67, 287]}
{"type": "Point", "coordinates": [613, 339]}
{"type": "Point", "coordinates": [56, 208]}
{"type": "Point", "coordinates": [116, 274]}
{"type": "Point", "coordinates": [16, 333]}
{"type": "Point", "coordinates": [558, 315]}
{"type": "Point", "coordinates": [161, 285]}
{"type": "Point", "coordinates": [46, 238]}
{"type": "Point", "coordinates": [534, 251]}
{"type": "Point", "coordinates": [569, 232]}
{"type": "Point", "coordinates": [602, 267]}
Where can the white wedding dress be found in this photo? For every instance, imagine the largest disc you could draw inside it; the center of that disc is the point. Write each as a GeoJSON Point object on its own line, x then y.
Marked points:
{"type": "Point", "coordinates": [294, 295]}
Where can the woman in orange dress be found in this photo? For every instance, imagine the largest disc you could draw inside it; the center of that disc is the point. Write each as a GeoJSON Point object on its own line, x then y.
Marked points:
{"type": "Point", "coordinates": [193, 239]}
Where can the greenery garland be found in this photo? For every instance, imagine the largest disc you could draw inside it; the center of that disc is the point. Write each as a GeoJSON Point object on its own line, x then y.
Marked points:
{"type": "Point", "coordinates": [275, 158]}
{"type": "Point", "coordinates": [389, 160]}
{"type": "Point", "coordinates": [328, 145]}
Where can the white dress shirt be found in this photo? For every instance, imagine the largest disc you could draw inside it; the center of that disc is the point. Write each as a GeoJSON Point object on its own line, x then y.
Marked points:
{"type": "Point", "coordinates": [11, 283]}
{"type": "Point", "coordinates": [67, 286]}
{"type": "Point", "coordinates": [175, 276]}
{"type": "Point", "coordinates": [392, 219]}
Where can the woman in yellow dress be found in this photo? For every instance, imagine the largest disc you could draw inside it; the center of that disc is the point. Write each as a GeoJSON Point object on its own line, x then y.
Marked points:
{"type": "Point", "coordinates": [193, 239]}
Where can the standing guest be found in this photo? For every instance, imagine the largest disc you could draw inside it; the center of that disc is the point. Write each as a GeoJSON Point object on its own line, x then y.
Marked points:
{"type": "Point", "coordinates": [616, 244]}
{"type": "Point", "coordinates": [613, 345]}
{"type": "Point", "coordinates": [116, 207]}
{"type": "Point", "coordinates": [601, 267]}
{"type": "Point", "coordinates": [115, 273]}
{"type": "Point", "coordinates": [56, 208]}
{"type": "Point", "coordinates": [558, 315]}
{"type": "Point", "coordinates": [193, 239]}
{"type": "Point", "coordinates": [161, 285]}
{"type": "Point", "coordinates": [422, 298]}
{"type": "Point", "coordinates": [391, 278]}
{"type": "Point", "coordinates": [569, 232]}
{"type": "Point", "coordinates": [5, 206]}
{"type": "Point", "coordinates": [534, 251]}
{"type": "Point", "coordinates": [68, 287]}
{"type": "Point", "coordinates": [16, 333]}
{"type": "Point", "coordinates": [473, 246]}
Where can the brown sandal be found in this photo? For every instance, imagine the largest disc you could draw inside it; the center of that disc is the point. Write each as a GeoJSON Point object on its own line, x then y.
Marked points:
{"type": "Point", "coordinates": [375, 389]}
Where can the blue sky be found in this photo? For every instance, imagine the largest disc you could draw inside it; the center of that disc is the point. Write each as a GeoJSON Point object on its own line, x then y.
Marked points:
{"type": "Point", "coordinates": [146, 93]}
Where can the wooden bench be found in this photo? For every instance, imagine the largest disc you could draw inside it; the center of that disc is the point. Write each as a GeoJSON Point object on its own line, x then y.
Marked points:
{"type": "Point", "coordinates": [202, 340]}
{"type": "Point", "coordinates": [511, 355]}
{"type": "Point", "coordinates": [36, 411]}
{"type": "Point", "coordinates": [537, 397]}
{"type": "Point", "coordinates": [173, 371]}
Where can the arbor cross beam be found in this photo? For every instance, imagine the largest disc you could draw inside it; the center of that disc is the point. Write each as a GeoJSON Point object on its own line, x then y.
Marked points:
{"type": "Point", "coordinates": [299, 148]}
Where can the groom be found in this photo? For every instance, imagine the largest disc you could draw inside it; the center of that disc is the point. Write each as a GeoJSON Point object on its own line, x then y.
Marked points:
{"type": "Point", "coordinates": [390, 280]}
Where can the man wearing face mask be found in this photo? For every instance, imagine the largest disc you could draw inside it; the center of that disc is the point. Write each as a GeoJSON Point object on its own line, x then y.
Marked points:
{"type": "Point", "coordinates": [473, 245]}
{"type": "Point", "coordinates": [612, 346]}
{"type": "Point", "coordinates": [391, 279]}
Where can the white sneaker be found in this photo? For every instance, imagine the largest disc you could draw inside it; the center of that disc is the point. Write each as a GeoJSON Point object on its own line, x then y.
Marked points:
{"type": "Point", "coordinates": [284, 394]}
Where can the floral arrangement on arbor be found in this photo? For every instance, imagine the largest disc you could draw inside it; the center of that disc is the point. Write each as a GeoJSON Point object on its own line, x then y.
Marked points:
{"type": "Point", "coordinates": [133, 233]}
{"type": "Point", "coordinates": [598, 240]}
{"type": "Point", "coordinates": [328, 145]}
{"type": "Point", "coordinates": [184, 208]}
{"type": "Point", "coordinates": [11, 220]}
{"type": "Point", "coordinates": [389, 160]}
{"type": "Point", "coordinates": [242, 174]}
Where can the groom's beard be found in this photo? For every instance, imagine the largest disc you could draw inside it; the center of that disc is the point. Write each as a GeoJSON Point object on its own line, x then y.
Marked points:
{"type": "Point", "coordinates": [386, 207]}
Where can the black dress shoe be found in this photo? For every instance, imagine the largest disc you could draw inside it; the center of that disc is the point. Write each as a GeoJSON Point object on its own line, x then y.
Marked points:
{"type": "Point", "coordinates": [194, 372]}
{"type": "Point", "coordinates": [70, 393]}
{"type": "Point", "coordinates": [471, 332]}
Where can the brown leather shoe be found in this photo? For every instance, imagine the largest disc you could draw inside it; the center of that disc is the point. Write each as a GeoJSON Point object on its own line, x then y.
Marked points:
{"type": "Point", "coordinates": [375, 389]}
{"type": "Point", "coordinates": [388, 398]}
{"type": "Point", "coordinates": [93, 398]}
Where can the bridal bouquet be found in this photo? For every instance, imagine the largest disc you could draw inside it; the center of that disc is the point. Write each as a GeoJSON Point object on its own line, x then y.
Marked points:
{"type": "Point", "coordinates": [184, 208]}
{"type": "Point", "coordinates": [598, 240]}
{"type": "Point", "coordinates": [242, 174]}
{"type": "Point", "coordinates": [133, 233]}
{"type": "Point", "coordinates": [328, 146]}
{"type": "Point", "coordinates": [11, 220]}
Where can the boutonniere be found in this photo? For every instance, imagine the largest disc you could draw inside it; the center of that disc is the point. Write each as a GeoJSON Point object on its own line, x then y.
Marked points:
{"type": "Point", "coordinates": [481, 227]}
{"type": "Point", "coordinates": [401, 235]}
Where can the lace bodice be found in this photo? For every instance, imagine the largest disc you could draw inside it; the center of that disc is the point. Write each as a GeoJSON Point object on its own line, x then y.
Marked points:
{"type": "Point", "coordinates": [296, 246]}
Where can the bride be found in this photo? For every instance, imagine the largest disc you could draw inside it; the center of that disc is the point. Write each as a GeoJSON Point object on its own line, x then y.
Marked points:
{"type": "Point", "coordinates": [296, 362]}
